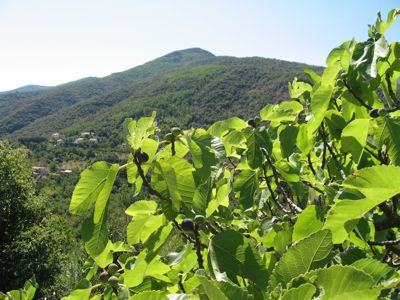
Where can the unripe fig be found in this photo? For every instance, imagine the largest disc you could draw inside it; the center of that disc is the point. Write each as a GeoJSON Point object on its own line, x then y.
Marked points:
{"type": "Point", "coordinates": [104, 276]}
{"type": "Point", "coordinates": [143, 157]}
{"type": "Point", "coordinates": [169, 137]}
{"type": "Point", "coordinates": [176, 131]}
{"type": "Point", "coordinates": [187, 225]}
{"type": "Point", "coordinates": [113, 281]}
{"type": "Point", "coordinates": [252, 123]}
{"type": "Point", "coordinates": [112, 269]}
{"type": "Point", "coordinates": [199, 219]}
{"type": "Point", "coordinates": [257, 119]}
{"type": "Point", "coordinates": [374, 113]}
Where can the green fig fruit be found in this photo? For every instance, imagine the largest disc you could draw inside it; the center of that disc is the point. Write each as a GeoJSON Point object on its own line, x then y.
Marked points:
{"type": "Point", "coordinates": [104, 276]}
{"type": "Point", "coordinates": [112, 269]}
{"type": "Point", "coordinates": [143, 157]}
{"type": "Point", "coordinates": [176, 131]}
{"type": "Point", "coordinates": [374, 113]}
{"type": "Point", "coordinates": [169, 137]}
{"type": "Point", "coordinates": [199, 219]}
{"type": "Point", "coordinates": [187, 225]}
{"type": "Point", "coordinates": [113, 281]}
{"type": "Point", "coordinates": [252, 123]}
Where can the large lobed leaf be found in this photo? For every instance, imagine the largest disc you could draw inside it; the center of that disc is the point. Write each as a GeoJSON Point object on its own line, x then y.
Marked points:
{"type": "Point", "coordinates": [233, 254]}
{"type": "Point", "coordinates": [303, 292]}
{"type": "Point", "coordinates": [376, 185]}
{"type": "Point", "coordinates": [354, 138]}
{"type": "Point", "coordinates": [346, 282]}
{"type": "Point", "coordinates": [310, 253]}
{"type": "Point", "coordinates": [309, 221]}
{"type": "Point", "coordinates": [388, 134]}
{"type": "Point", "coordinates": [95, 184]}
{"type": "Point", "coordinates": [245, 187]}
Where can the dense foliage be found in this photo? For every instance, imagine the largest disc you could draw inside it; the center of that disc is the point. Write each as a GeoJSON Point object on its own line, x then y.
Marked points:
{"type": "Point", "coordinates": [33, 240]}
{"type": "Point", "coordinates": [300, 202]}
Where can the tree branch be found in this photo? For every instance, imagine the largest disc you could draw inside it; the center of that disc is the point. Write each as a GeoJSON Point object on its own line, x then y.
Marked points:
{"type": "Point", "coordinates": [197, 244]}
{"type": "Point", "coordinates": [358, 98]}
{"type": "Point", "coordinates": [145, 181]}
{"type": "Point", "coordinates": [309, 184]}
{"type": "Point", "coordinates": [283, 187]}
{"type": "Point", "coordinates": [310, 164]}
{"type": "Point", "coordinates": [391, 93]}
{"type": "Point", "coordinates": [384, 243]}
{"type": "Point", "coordinates": [332, 153]}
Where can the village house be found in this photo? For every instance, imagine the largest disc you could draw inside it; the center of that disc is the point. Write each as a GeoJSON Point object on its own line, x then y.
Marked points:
{"type": "Point", "coordinates": [40, 170]}
{"type": "Point", "coordinates": [87, 134]}
{"type": "Point", "coordinates": [55, 135]}
{"type": "Point", "coordinates": [79, 141]}
{"type": "Point", "coordinates": [93, 141]}
{"type": "Point", "coordinates": [67, 171]}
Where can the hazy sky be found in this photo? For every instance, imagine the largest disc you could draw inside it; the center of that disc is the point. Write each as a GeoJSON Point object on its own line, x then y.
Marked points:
{"type": "Point", "coordinates": [49, 42]}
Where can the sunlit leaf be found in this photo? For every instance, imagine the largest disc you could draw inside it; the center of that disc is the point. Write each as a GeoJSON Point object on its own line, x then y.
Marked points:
{"type": "Point", "coordinates": [233, 254]}
{"type": "Point", "coordinates": [376, 185]}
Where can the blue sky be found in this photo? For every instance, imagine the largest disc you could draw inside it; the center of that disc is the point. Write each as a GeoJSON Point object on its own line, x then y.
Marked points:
{"type": "Point", "coordinates": [49, 42]}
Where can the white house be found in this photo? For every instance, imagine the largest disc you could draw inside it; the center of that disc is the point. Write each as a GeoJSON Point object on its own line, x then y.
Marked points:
{"type": "Point", "coordinates": [40, 170]}
{"type": "Point", "coordinates": [79, 141]}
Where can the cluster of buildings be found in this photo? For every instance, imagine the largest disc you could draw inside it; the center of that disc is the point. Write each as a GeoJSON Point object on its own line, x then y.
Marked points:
{"type": "Point", "coordinates": [42, 171]}
{"type": "Point", "coordinates": [87, 137]}
{"type": "Point", "coordinates": [56, 136]}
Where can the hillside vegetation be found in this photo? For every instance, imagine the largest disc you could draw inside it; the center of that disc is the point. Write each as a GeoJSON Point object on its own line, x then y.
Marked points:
{"type": "Point", "coordinates": [190, 88]}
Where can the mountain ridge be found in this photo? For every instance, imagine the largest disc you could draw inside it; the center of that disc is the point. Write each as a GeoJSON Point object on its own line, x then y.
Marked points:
{"type": "Point", "coordinates": [191, 78]}
{"type": "Point", "coordinates": [27, 89]}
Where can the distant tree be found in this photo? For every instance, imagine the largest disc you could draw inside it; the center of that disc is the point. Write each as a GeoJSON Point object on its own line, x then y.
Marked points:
{"type": "Point", "coordinates": [16, 192]}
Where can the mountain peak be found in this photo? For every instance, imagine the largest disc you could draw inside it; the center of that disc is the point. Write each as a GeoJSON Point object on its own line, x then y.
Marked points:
{"type": "Point", "coordinates": [27, 89]}
{"type": "Point", "coordinates": [186, 55]}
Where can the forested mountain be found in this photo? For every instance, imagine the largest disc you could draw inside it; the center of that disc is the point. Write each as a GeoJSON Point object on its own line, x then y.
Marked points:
{"type": "Point", "coordinates": [27, 89]}
{"type": "Point", "coordinates": [188, 88]}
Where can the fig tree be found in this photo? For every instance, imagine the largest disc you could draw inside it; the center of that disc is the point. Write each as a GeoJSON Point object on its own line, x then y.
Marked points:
{"type": "Point", "coordinates": [187, 225]}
